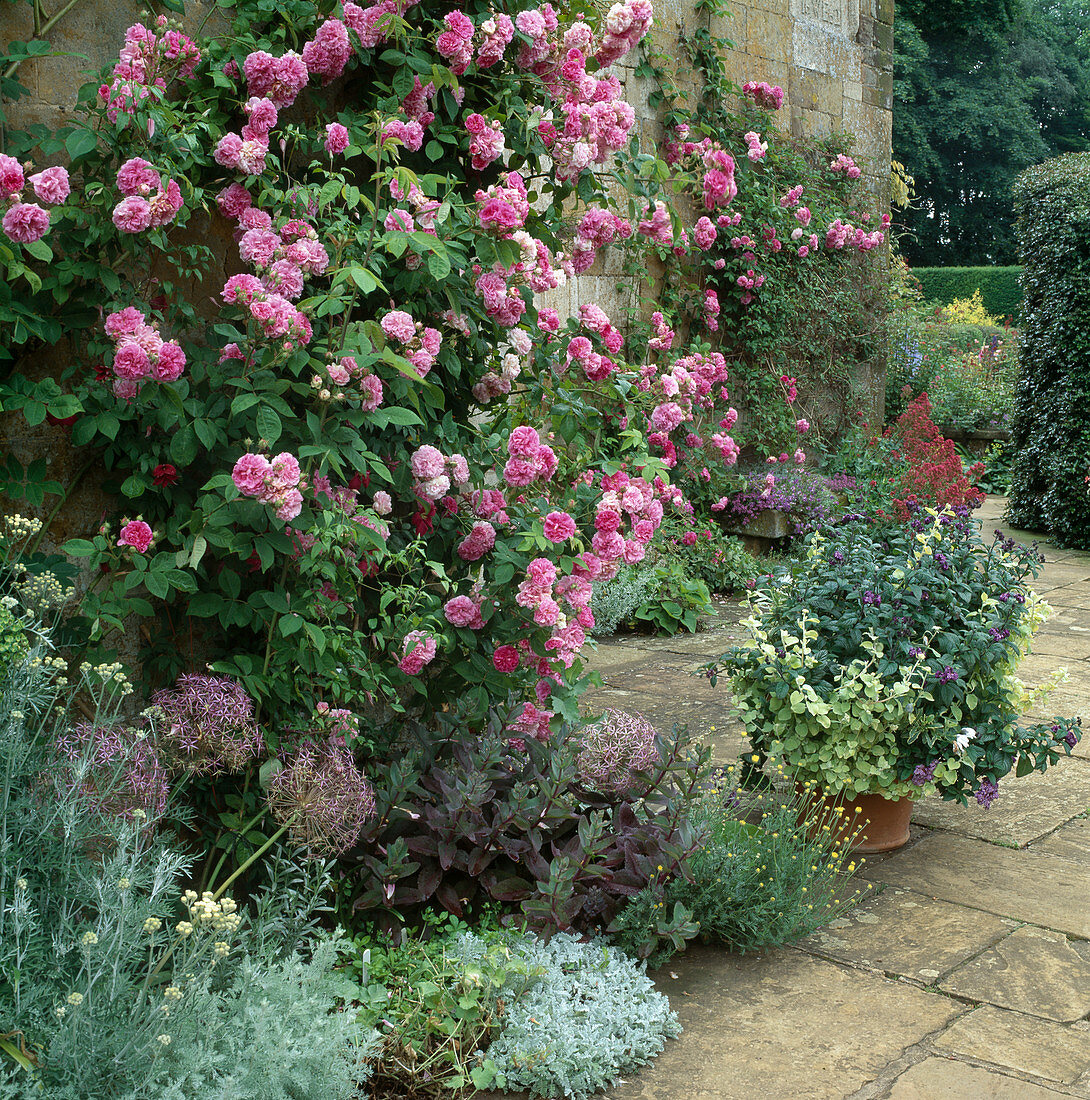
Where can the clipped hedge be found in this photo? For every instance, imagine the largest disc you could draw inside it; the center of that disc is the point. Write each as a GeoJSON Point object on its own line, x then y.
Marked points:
{"type": "Point", "coordinates": [999, 287]}
{"type": "Point", "coordinates": [1051, 434]}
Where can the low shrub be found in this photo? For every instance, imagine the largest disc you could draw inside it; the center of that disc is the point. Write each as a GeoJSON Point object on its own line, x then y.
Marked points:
{"type": "Point", "coordinates": [590, 1015]}
{"type": "Point", "coordinates": [663, 596]}
{"type": "Point", "coordinates": [765, 874]}
{"type": "Point", "coordinates": [470, 813]}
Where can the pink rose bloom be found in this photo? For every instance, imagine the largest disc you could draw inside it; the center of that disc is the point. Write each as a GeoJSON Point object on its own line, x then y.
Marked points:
{"type": "Point", "coordinates": [125, 322]}
{"type": "Point", "coordinates": [434, 488]}
{"type": "Point", "coordinates": [233, 201]}
{"type": "Point", "coordinates": [165, 204]}
{"type": "Point", "coordinates": [419, 650]}
{"type": "Point", "coordinates": [131, 362]}
{"type": "Point", "coordinates": [136, 534]}
{"type": "Point", "coordinates": [132, 214]}
{"type": "Point", "coordinates": [51, 185]}
{"type": "Point", "coordinates": [644, 531]}
{"type": "Point", "coordinates": [524, 442]}
{"type": "Point", "coordinates": [547, 612]}
{"type": "Point", "coordinates": [258, 246]}
{"type": "Point", "coordinates": [290, 505]}
{"type": "Point", "coordinates": [11, 176]}
{"type": "Point", "coordinates": [370, 392]}
{"type": "Point", "coordinates": [608, 545]}
{"type": "Point", "coordinates": [327, 53]}
{"type": "Point", "coordinates": [227, 150]}
{"type": "Point", "coordinates": [249, 474]}
{"type": "Point", "coordinates": [336, 138]}
{"type": "Point", "coordinates": [518, 472]}
{"type": "Point", "coordinates": [460, 611]}
{"type": "Point", "coordinates": [382, 503]}
{"type": "Point", "coordinates": [505, 658]}
{"type": "Point", "coordinates": [137, 177]}
{"type": "Point", "coordinates": [399, 325]}
{"type": "Point", "coordinates": [26, 222]}
{"type": "Point", "coordinates": [171, 363]}
{"type": "Point", "coordinates": [559, 526]}
{"type": "Point", "coordinates": [481, 539]}
{"type": "Point", "coordinates": [284, 471]}
{"type": "Point", "coordinates": [427, 462]}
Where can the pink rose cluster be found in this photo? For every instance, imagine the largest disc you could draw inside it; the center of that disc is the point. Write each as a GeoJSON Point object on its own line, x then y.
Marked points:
{"type": "Point", "coordinates": [561, 603]}
{"type": "Point", "coordinates": [596, 119]}
{"type": "Point", "coordinates": [763, 94]}
{"type": "Point", "coordinates": [625, 501]}
{"type": "Point", "coordinates": [625, 25]}
{"type": "Point", "coordinates": [277, 79]}
{"type": "Point", "coordinates": [841, 234]}
{"type": "Point", "coordinates": [755, 148]}
{"type": "Point", "coordinates": [689, 383]}
{"type": "Point", "coordinates": [528, 458]}
{"type": "Point", "coordinates": [418, 649]}
{"type": "Point", "coordinates": [27, 222]}
{"type": "Point", "coordinates": [456, 42]}
{"type": "Point", "coordinates": [597, 229]}
{"type": "Point", "coordinates": [479, 541]}
{"type": "Point", "coordinates": [140, 353]}
{"type": "Point", "coordinates": [486, 142]}
{"type": "Point", "coordinates": [663, 339]}
{"type": "Point", "coordinates": [342, 373]}
{"type": "Point", "coordinates": [149, 59]}
{"type": "Point", "coordinates": [503, 208]}
{"type": "Point", "coordinates": [148, 202]}
{"type": "Point", "coordinates": [284, 258]}
{"type": "Point", "coordinates": [276, 482]}
{"type": "Point", "coordinates": [433, 472]}
{"type": "Point", "coordinates": [498, 383]}
{"type": "Point", "coordinates": [419, 344]}
{"type": "Point", "coordinates": [246, 152]}
{"type": "Point", "coordinates": [845, 164]}
{"type": "Point", "coordinates": [656, 224]}
{"type": "Point", "coordinates": [711, 310]}
{"type": "Point", "coordinates": [374, 24]}
{"type": "Point", "coordinates": [496, 34]}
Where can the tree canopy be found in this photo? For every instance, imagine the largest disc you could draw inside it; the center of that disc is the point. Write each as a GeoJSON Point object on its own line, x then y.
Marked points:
{"type": "Point", "coordinates": [983, 89]}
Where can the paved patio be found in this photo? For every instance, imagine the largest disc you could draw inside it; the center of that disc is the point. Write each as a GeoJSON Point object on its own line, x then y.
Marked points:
{"type": "Point", "coordinates": [966, 977]}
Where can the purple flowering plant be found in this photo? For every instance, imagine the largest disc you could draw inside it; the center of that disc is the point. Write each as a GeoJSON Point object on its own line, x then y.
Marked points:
{"type": "Point", "coordinates": [885, 660]}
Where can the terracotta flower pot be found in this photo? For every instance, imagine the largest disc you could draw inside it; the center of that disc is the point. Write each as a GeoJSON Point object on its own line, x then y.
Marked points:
{"type": "Point", "coordinates": [871, 823]}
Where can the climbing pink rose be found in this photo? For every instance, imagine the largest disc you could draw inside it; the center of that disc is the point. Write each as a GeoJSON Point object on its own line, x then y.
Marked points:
{"type": "Point", "coordinates": [136, 534]}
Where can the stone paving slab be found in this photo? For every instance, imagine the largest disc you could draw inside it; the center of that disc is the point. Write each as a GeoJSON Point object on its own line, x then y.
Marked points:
{"type": "Point", "coordinates": [1022, 884]}
{"type": "Point", "coordinates": [1019, 1042]}
{"type": "Point", "coordinates": [1072, 842]}
{"type": "Point", "coordinates": [942, 1079]}
{"type": "Point", "coordinates": [1027, 808]}
{"type": "Point", "coordinates": [783, 1026]}
{"type": "Point", "coordinates": [1033, 970]}
{"type": "Point", "coordinates": [902, 932]}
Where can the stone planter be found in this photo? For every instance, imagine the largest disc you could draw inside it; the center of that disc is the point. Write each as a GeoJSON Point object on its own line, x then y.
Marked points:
{"type": "Point", "coordinates": [977, 442]}
{"type": "Point", "coordinates": [763, 531]}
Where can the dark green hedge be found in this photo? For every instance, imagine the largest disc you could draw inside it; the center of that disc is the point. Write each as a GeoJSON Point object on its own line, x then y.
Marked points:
{"type": "Point", "coordinates": [999, 287]}
{"type": "Point", "coordinates": [1051, 432]}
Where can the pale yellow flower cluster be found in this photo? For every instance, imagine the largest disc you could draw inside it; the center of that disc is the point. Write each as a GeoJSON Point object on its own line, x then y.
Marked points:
{"type": "Point", "coordinates": [41, 590]}
{"type": "Point", "coordinates": [206, 913]}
